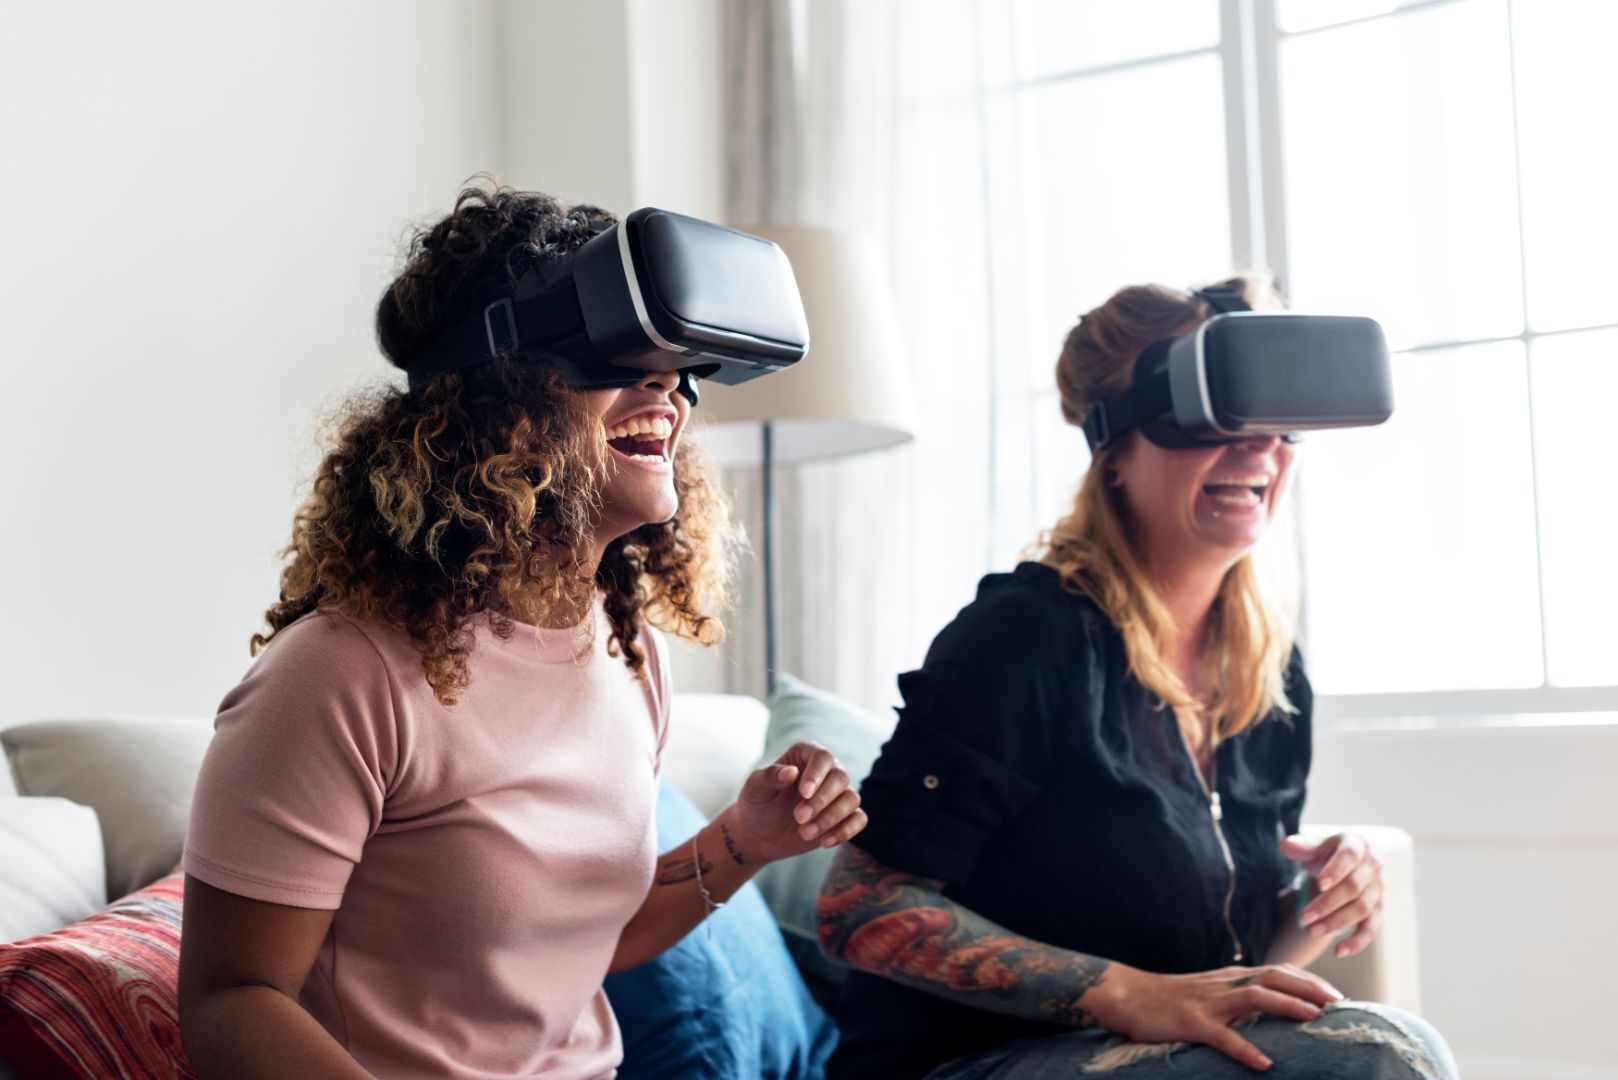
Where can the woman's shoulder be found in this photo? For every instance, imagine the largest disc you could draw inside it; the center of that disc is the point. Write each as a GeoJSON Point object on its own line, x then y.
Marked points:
{"type": "Point", "coordinates": [1034, 591]}
{"type": "Point", "coordinates": [333, 637]}
{"type": "Point", "coordinates": [1027, 611]}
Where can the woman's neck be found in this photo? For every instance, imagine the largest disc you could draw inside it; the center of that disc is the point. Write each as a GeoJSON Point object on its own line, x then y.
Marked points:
{"type": "Point", "coordinates": [1188, 590]}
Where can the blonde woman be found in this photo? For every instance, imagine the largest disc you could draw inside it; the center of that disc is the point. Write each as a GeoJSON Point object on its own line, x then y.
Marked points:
{"type": "Point", "coordinates": [1082, 831]}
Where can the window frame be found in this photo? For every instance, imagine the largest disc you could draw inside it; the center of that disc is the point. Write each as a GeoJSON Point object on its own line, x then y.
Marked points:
{"type": "Point", "coordinates": [1249, 47]}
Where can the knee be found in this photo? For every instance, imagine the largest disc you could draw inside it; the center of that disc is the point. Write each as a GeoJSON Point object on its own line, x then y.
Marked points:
{"type": "Point", "coordinates": [1393, 1042]}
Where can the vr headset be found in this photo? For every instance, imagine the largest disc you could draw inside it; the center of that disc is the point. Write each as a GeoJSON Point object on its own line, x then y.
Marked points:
{"type": "Point", "coordinates": [1244, 373]}
{"type": "Point", "coordinates": [655, 292]}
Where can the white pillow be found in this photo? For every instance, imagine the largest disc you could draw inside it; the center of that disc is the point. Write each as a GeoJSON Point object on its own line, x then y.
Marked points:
{"type": "Point", "coordinates": [714, 739]}
{"type": "Point", "coordinates": [136, 772]}
{"type": "Point", "coordinates": [51, 871]}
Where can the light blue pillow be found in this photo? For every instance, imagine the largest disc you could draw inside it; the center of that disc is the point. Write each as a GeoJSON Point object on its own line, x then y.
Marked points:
{"type": "Point", "coordinates": [799, 711]}
{"type": "Point", "coordinates": [726, 1001]}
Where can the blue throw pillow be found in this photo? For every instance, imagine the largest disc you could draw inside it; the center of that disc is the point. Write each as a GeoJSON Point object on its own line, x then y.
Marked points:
{"type": "Point", "coordinates": [726, 1001]}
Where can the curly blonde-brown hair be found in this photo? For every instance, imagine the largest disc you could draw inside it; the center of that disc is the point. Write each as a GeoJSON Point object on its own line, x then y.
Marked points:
{"type": "Point", "coordinates": [476, 493]}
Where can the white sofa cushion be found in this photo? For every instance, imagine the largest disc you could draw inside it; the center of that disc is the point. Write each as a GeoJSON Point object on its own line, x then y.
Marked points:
{"type": "Point", "coordinates": [713, 741]}
{"type": "Point", "coordinates": [137, 774]}
{"type": "Point", "coordinates": [51, 871]}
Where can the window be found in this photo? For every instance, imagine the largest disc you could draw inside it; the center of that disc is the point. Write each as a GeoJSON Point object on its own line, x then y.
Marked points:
{"type": "Point", "coordinates": [1438, 164]}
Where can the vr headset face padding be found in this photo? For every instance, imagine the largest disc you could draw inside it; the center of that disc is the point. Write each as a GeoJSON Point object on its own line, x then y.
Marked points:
{"type": "Point", "coordinates": [655, 292]}
{"type": "Point", "coordinates": [1242, 374]}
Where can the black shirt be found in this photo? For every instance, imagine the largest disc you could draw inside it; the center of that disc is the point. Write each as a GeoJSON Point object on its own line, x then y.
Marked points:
{"type": "Point", "coordinates": [1052, 793]}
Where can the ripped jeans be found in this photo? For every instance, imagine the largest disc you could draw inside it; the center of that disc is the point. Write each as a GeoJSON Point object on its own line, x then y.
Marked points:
{"type": "Point", "coordinates": [1350, 1040]}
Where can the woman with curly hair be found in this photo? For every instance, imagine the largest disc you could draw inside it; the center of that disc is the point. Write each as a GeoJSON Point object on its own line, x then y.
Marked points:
{"type": "Point", "coordinates": [1083, 855]}
{"type": "Point", "coordinates": [423, 832]}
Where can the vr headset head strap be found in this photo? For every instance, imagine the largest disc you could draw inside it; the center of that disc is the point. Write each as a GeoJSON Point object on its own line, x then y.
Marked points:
{"type": "Point", "coordinates": [1223, 299]}
{"type": "Point", "coordinates": [1149, 396]}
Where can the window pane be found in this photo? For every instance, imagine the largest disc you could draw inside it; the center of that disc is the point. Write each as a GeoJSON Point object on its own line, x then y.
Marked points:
{"type": "Point", "coordinates": [1575, 383]}
{"type": "Point", "coordinates": [1295, 15]}
{"type": "Point", "coordinates": [1567, 84]}
{"type": "Point", "coordinates": [1123, 182]}
{"type": "Point", "coordinates": [1061, 457]}
{"type": "Point", "coordinates": [1399, 167]}
{"type": "Point", "coordinates": [1014, 516]}
{"type": "Point", "coordinates": [1055, 36]}
{"type": "Point", "coordinates": [1419, 535]}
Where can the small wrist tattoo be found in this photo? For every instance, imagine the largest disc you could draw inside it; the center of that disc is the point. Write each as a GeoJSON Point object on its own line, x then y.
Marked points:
{"type": "Point", "coordinates": [732, 848]}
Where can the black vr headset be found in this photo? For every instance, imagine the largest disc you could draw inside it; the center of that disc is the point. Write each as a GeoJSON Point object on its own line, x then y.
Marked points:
{"type": "Point", "coordinates": [1244, 373]}
{"type": "Point", "coordinates": [655, 292]}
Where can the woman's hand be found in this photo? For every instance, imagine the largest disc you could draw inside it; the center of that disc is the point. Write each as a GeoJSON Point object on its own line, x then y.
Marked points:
{"type": "Point", "coordinates": [1349, 880]}
{"type": "Point", "coordinates": [1200, 1007]}
{"type": "Point", "coordinates": [801, 802]}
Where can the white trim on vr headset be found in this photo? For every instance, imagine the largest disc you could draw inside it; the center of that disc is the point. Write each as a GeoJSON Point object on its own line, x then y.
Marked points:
{"type": "Point", "coordinates": [640, 303]}
{"type": "Point", "coordinates": [1202, 378]}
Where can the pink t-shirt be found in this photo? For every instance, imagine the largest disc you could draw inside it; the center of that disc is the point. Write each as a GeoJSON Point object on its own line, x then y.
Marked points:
{"type": "Point", "coordinates": [482, 860]}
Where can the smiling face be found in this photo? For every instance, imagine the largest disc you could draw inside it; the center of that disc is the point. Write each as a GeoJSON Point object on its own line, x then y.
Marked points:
{"type": "Point", "coordinates": [642, 425]}
{"type": "Point", "coordinates": [1209, 504]}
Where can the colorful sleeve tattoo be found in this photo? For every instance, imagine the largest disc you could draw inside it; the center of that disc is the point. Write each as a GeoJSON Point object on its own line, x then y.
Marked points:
{"type": "Point", "coordinates": [902, 927]}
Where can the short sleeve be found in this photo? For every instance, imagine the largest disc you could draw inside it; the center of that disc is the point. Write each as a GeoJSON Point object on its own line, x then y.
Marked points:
{"type": "Point", "coordinates": [660, 686]}
{"type": "Point", "coordinates": [294, 781]}
{"type": "Point", "coordinates": [974, 733]}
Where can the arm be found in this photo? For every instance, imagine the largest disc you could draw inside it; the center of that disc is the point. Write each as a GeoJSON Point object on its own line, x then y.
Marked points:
{"type": "Point", "coordinates": [675, 904]}
{"type": "Point", "coordinates": [902, 927]}
{"type": "Point", "coordinates": [801, 802]}
{"type": "Point", "coordinates": [242, 963]}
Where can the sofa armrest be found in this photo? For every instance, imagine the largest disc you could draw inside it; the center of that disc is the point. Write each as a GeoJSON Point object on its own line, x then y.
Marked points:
{"type": "Point", "coordinates": [1388, 971]}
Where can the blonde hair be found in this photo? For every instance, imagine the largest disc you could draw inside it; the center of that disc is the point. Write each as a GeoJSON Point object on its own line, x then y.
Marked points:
{"type": "Point", "coordinates": [1094, 550]}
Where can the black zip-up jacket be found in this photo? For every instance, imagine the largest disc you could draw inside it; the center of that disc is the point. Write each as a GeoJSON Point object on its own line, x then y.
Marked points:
{"type": "Point", "coordinates": [1052, 793]}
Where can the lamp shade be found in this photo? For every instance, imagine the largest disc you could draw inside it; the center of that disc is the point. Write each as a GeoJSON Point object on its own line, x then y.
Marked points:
{"type": "Point", "coordinates": [851, 392]}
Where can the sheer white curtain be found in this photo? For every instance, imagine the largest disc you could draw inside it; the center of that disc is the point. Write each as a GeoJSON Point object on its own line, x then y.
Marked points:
{"type": "Point", "coordinates": [840, 115]}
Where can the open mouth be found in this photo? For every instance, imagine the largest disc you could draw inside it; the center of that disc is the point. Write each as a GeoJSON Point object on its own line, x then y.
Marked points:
{"type": "Point", "coordinates": [1238, 490]}
{"type": "Point", "coordinates": [642, 438]}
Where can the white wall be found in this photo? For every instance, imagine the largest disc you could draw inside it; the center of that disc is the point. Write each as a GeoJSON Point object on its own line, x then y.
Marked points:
{"type": "Point", "coordinates": [1516, 832]}
{"type": "Point", "coordinates": [203, 203]}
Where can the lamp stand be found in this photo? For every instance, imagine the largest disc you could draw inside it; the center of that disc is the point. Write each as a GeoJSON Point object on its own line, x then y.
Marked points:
{"type": "Point", "coordinates": [767, 435]}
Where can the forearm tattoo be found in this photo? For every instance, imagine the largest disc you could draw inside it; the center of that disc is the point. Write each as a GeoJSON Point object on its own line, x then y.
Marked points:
{"type": "Point", "coordinates": [676, 866]}
{"type": "Point", "coordinates": [900, 926]}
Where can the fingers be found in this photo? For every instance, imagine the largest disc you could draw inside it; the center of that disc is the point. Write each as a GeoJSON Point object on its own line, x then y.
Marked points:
{"type": "Point", "coordinates": [830, 788]}
{"type": "Point", "coordinates": [1348, 904]}
{"type": "Point", "coordinates": [1312, 853]}
{"type": "Point", "coordinates": [1351, 851]}
{"type": "Point", "coordinates": [1360, 939]}
{"type": "Point", "coordinates": [846, 831]}
{"type": "Point", "coordinates": [1228, 1042]}
{"type": "Point", "coordinates": [831, 816]}
{"type": "Point", "coordinates": [1302, 848]}
{"type": "Point", "coordinates": [1301, 984]}
{"type": "Point", "coordinates": [1262, 999]}
{"type": "Point", "coordinates": [814, 763]}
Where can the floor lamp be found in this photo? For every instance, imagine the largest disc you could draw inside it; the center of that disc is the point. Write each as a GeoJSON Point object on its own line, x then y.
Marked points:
{"type": "Point", "coordinates": [849, 395]}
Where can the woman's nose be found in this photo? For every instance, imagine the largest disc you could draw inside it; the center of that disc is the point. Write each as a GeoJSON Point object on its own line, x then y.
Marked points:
{"type": "Point", "coordinates": [1260, 444]}
{"type": "Point", "coordinates": [663, 381]}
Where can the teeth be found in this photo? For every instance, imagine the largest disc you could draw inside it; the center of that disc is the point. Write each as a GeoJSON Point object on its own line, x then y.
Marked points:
{"type": "Point", "coordinates": [1246, 498]}
{"type": "Point", "coordinates": [655, 426]}
{"type": "Point", "coordinates": [1259, 480]}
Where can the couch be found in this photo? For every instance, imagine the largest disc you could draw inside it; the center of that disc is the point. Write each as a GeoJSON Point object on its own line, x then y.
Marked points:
{"type": "Point", "coordinates": [100, 806]}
